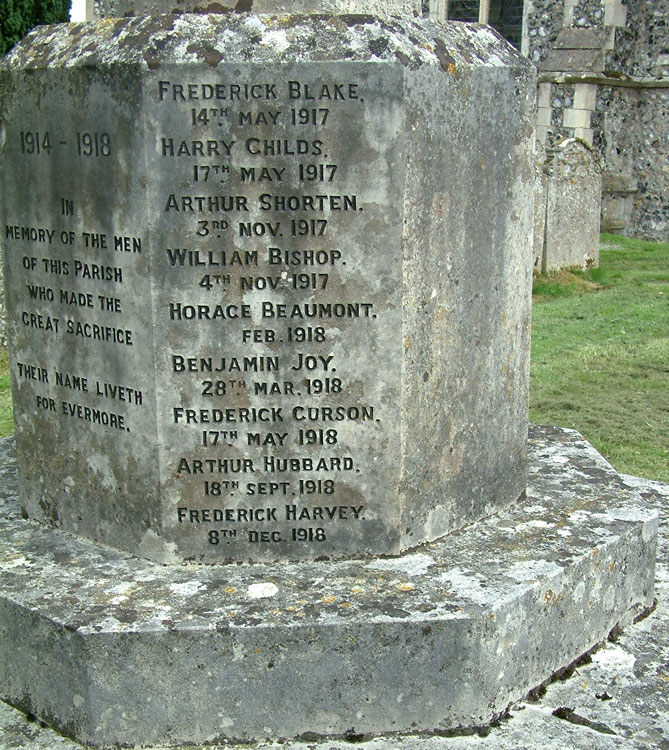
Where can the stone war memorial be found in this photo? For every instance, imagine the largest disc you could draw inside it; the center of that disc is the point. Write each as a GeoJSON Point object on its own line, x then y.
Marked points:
{"type": "Point", "coordinates": [268, 287]}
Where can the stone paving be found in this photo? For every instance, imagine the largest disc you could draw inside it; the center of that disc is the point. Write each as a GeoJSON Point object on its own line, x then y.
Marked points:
{"type": "Point", "coordinates": [618, 698]}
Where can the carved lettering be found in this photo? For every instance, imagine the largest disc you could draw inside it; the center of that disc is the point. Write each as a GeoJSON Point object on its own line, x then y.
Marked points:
{"type": "Point", "coordinates": [241, 327]}
{"type": "Point", "coordinates": [188, 92]}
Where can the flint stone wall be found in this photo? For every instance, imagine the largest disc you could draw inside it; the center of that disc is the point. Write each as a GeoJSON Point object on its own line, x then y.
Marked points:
{"type": "Point", "coordinates": [634, 140]}
{"type": "Point", "coordinates": [544, 23]}
{"type": "Point", "coordinates": [641, 46]}
{"type": "Point", "coordinates": [627, 125]}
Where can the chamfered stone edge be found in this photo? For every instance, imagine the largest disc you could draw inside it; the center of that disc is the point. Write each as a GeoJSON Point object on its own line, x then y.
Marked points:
{"type": "Point", "coordinates": [440, 638]}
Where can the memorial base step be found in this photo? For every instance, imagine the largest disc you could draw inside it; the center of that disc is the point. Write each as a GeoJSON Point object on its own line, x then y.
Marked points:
{"type": "Point", "coordinates": [110, 649]}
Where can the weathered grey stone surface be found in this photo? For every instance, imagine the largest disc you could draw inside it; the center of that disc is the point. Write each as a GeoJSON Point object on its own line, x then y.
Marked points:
{"type": "Point", "coordinates": [574, 60]}
{"type": "Point", "coordinates": [98, 9]}
{"type": "Point", "coordinates": [620, 694]}
{"type": "Point", "coordinates": [112, 649]}
{"type": "Point", "coordinates": [540, 184]}
{"type": "Point", "coordinates": [3, 316]}
{"type": "Point", "coordinates": [572, 210]}
{"type": "Point", "coordinates": [572, 38]}
{"type": "Point", "coordinates": [255, 312]}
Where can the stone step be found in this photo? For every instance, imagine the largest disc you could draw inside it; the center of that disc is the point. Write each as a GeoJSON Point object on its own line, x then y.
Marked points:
{"type": "Point", "coordinates": [109, 649]}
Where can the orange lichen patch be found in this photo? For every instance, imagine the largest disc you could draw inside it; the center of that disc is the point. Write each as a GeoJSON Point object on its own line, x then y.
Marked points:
{"type": "Point", "coordinates": [405, 586]}
{"type": "Point", "coordinates": [229, 589]}
{"type": "Point", "coordinates": [329, 599]}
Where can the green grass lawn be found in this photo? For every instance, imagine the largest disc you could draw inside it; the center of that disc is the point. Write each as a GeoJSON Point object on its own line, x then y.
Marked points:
{"type": "Point", "coordinates": [600, 355]}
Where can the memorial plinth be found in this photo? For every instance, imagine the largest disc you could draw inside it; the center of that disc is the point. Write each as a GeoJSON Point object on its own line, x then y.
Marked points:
{"type": "Point", "coordinates": [268, 290]}
{"type": "Point", "coordinates": [441, 639]}
{"type": "Point", "coordinates": [270, 296]}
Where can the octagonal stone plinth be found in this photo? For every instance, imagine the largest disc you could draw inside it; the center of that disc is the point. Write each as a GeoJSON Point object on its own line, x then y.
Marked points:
{"type": "Point", "coordinates": [98, 9]}
{"type": "Point", "coordinates": [111, 649]}
{"type": "Point", "coordinates": [270, 296]}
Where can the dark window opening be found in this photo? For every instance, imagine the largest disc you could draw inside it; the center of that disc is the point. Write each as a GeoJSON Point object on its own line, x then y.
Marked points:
{"type": "Point", "coordinates": [505, 15]}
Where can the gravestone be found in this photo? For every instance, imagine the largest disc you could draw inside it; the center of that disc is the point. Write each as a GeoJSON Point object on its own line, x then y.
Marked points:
{"type": "Point", "coordinates": [539, 230]}
{"type": "Point", "coordinates": [269, 303]}
{"type": "Point", "coordinates": [253, 314]}
{"type": "Point", "coordinates": [569, 197]}
{"type": "Point", "coordinates": [618, 194]}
